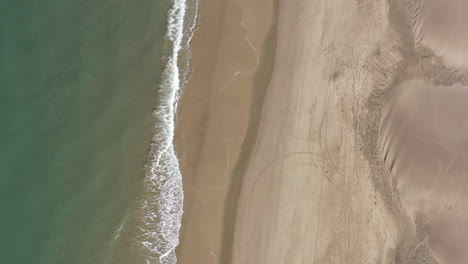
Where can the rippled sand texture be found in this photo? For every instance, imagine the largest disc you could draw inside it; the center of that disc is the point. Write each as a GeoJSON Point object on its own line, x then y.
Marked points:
{"type": "Point", "coordinates": [425, 144]}
{"type": "Point", "coordinates": [442, 26]}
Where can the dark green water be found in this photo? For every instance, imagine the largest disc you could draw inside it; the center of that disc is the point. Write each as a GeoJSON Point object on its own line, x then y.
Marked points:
{"type": "Point", "coordinates": [78, 82]}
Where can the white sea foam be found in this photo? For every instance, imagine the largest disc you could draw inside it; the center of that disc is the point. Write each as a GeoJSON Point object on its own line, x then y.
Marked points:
{"type": "Point", "coordinates": [163, 199]}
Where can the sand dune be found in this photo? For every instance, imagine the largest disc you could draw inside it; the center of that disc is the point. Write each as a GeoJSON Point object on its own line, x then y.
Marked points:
{"type": "Point", "coordinates": [442, 26]}
{"type": "Point", "coordinates": [423, 133]}
{"type": "Point", "coordinates": [425, 144]}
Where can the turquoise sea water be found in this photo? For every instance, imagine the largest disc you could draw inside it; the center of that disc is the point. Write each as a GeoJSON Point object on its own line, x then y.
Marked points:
{"type": "Point", "coordinates": [78, 83]}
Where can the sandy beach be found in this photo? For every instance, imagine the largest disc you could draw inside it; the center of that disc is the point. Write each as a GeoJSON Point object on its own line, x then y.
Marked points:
{"type": "Point", "coordinates": [307, 194]}
{"type": "Point", "coordinates": [227, 51]}
{"type": "Point", "coordinates": [289, 134]}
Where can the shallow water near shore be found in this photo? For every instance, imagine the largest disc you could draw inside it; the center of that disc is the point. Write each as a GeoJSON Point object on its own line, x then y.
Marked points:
{"type": "Point", "coordinates": [78, 84]}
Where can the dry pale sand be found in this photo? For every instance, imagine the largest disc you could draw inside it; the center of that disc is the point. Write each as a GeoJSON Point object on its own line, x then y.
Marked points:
{"type": "Point", "coordinates": [358, 152]}
{"type": "Point", "coordinates": [307, 194]}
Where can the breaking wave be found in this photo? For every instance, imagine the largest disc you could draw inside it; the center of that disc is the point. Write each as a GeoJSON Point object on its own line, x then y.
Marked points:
{"type": "Point", "coordinates": [162, 203]}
